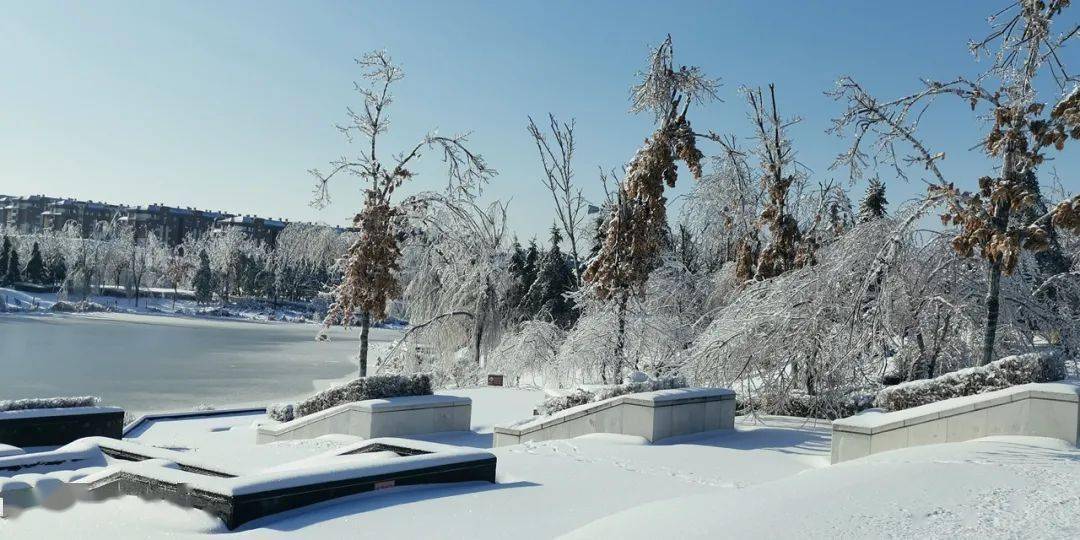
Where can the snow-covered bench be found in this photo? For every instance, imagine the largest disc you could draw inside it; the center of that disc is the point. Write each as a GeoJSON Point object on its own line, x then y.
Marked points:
{"type": "Point", "coordinates": [1040, 409]}
{"type": "Point", "coordinates": [57, 426]}
{"type": "Point", "coordinates": [391, 417]}
{"type": "Point", "coordinates": [652, 415]}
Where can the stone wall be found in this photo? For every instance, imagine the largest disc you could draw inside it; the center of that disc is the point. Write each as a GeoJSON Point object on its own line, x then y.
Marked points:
{"type": "Point", "coordinates": [391, 417]}
{"type": "Point", "coordinates": [652, 415]}
{"type": "Point", "coordinates": [1043, 410]}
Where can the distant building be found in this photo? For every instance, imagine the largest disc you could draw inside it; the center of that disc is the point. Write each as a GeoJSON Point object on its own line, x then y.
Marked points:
{"type": "Point", "coordinates": [171, 224]}
{"type": "Point", "coordinates": [86, 213]}
{"type": "Point", "coordinates": [263, 230]}
{"type": "Point", "coordinates": [23, 214]}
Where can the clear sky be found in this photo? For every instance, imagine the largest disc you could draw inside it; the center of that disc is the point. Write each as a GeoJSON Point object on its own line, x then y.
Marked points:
{"type": "Point", "coordinates": [226, 105]}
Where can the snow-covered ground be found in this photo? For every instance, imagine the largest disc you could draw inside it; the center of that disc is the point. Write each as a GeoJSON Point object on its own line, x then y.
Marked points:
{"type": "Point", "coordinates": [158, 302]}
{"type": "Point", "coordinates": [761, 480]}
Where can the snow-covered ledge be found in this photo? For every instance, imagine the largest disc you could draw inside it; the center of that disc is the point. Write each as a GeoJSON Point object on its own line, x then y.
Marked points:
{"type": "Point", "coordinates": [59, 426]}
{"type": "Point", "coordinates": [1039, 409]}
{"type": "Point", "coordinates": [392, 417]}
{"type": "Point", "coordinates": [652, 415]}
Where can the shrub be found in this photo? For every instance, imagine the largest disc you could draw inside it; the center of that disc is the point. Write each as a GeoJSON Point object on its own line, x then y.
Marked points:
{"type": "Point", "coordinates": [371, 387]}
{"type": "Point", "coordinates": [828, 406]}
{"type": "Point", "coordinates": [49, 403]}
{"type": "Point", "coordinates": [555, 404]}
{"type": "Point", "coordinates": [1009, 371]}
{"type": "Point", "coordinates": [84, 306]}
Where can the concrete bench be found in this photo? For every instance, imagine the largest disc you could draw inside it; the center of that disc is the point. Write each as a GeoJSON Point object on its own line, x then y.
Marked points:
{"type": "Point", "coordinates": [56, 427]}
{"type": "Point", "coordinates": [652, 415]}
{"type": "Point", "coordinates": [1042, 410]}
{"type": "Point", "coordinates": [392, 417]}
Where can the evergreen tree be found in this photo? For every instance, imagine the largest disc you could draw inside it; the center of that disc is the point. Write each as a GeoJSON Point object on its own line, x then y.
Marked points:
{"type": "Point", "coordinates": [872, 205]}
{"type": "Point", "coordinates": [5, 252]}
{"type": "Point", "coordinates": [518, 287]}
{"type": "Point", "coordinates": [35, 269]}
{"type": "Point", "coordinates": [203, 282]}
{"type": "Point", "coordinates": [57, 269]}
{"type": "Point", "coordinates": [554, 278]}
{"type": "Point", "coordinates": [13, 274]}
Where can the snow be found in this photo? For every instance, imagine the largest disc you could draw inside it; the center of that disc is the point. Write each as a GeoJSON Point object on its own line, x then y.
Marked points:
{"type": "Point", "coordinates": [770, 477]}
{"type": "Point", "coordinates": [156, 301]}
{"type": "Point", "coordinates": [998, 487]}
{"type": "Point", "coordinates": [8, 450]}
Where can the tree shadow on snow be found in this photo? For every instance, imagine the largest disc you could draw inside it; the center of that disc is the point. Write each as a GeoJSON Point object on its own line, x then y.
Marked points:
{"type": "Point", "coordinates": [299, 518]}
{"type": "Point", "coordinates": [783, 440]}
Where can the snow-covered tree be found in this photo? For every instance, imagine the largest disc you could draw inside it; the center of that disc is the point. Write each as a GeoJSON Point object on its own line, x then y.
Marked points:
{"type": "Point", "coordinates": [5, 254]}
{"type": "Point", "coordinates": [35, 267]}
{"type": "Point", "coordinates": [547, 296]}
{"type": "Point", "coordinates": [556, 158]}
{"type": "Point", "coordinates": [371, 265]}
{"type": "Point", "coordinates": [13, 274]}
{"type": "Point", "coordinates": [203, 281]}
{"type": "Point", "coordinates": [987, 222]}
{"type": "Point", "coordinates": [872, 205]}
{"type": "Point", "coordinates": [637, 223]}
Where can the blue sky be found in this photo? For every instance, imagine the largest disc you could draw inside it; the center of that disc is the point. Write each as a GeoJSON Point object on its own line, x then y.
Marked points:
{"type": "Point", "coordinates": [225, 105]}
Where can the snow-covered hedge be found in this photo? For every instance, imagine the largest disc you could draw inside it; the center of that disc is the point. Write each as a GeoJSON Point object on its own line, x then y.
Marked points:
{"type": "Point", "coordinates": [49, 403]}
{"type": "Point", "coordinates": [1009, 371]}
{"type": "Point", "coordinates": [84, 306]}
{"type": "Point", "coordinates": [830, 406]}
{"type": "Point", "coordinates": [371, 387]}
{"type": "Point", "coordinates": [580, 396]}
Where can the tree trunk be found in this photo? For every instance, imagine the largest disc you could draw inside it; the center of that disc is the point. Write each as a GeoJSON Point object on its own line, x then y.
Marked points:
{"type": "Point", "coordinates": [365, 326]}
{"type": "Point", "coordinates": [620, 343]}
{"type": "Point", "coordinates": [999, 222]}
{"type": "Point", "coordinates": [993, 289]}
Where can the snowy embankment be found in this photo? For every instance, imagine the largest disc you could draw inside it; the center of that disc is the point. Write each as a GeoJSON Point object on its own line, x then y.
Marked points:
{"type": "Point", "coordinates": [756, 481]}
{"type": "Point", "coordinates": [154, 302]}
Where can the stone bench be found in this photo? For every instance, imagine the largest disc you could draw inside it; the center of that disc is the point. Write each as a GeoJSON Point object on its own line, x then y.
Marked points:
{"type": "Point", "coordinates": [652, 415]}
{"type": "Point", "coordinates": [1042, 410]}
{"type": "Point", "coordinates": [392, 417]}
{"type": "Point", "coordinates": [56, 427]}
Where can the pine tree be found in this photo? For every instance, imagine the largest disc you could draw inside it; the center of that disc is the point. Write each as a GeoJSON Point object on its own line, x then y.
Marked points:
{"type": "Point", "coordinates": [5, 252]}
{"type": "Point", "coordinates": [13, 274]}
{"type": "Point", "coordinates": [872, 205]}
{"type": "Point", "coordinates": [554, 278]}
{"type": "Point", "coordinates": [57, 269]}
{"type": "Point", "coordinates": [35, 269]}
{"type": "Point", "coordinates": [203, 282]}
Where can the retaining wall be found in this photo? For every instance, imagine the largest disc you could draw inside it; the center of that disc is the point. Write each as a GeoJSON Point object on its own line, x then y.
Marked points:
{"type": "Point", "coordinates": [1042, 409]}
{"type": "Point", "coordinates": [392, 417]}
{"type": "Point", "coordinates": [56, 427]}
{"type": "Point", "coordinates": [652, 415]}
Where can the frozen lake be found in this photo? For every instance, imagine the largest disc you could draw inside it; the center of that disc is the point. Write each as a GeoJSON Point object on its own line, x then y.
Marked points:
{"type": "Point", "coordinates": [149, 363]}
